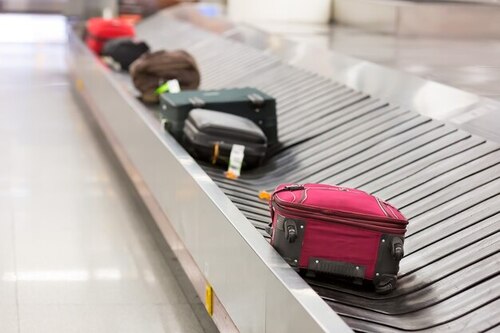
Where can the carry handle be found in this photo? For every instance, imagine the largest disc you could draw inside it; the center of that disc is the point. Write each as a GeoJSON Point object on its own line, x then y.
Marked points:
{"type": "Point", "coordinates": [290, 231]}
{"type": "Point", "coordinates": [397, 248]}
{"type": "Point", "coordinates": [293, 187]}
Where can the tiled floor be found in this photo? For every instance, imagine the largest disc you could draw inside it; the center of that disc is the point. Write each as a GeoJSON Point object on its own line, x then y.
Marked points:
{"type": "Point", "coordinates": [75, 252]}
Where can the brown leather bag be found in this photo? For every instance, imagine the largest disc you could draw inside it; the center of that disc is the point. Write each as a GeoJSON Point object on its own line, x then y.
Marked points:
{"type": "Point", "coordinates": [153, 69]}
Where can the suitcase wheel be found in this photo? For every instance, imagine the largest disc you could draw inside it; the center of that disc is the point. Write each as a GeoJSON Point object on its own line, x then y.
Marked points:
{"type": "Point", "coordinates": [385, 283]}
{"type": "Point", "coordinates": [166, 125]}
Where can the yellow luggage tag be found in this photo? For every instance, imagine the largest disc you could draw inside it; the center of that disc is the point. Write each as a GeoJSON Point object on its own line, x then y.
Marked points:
{"type": "Point", "coordinates": [264, 195]}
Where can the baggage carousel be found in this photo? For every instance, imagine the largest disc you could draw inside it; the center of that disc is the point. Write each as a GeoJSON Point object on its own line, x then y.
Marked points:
{"type": "Point", "coordinates": [444, 177]}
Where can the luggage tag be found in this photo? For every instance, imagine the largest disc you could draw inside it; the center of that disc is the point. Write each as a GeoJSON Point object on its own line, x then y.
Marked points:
{"type": "Point", "coordinates": [264, 195]}
{"type": "Point", "coordinates": [171, 86]}
{"type": "Point", "coordinates": [235, 161]}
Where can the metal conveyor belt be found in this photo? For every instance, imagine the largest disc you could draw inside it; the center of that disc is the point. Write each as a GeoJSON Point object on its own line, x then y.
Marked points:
{"type": "Point", "coordinates": [446, 181]}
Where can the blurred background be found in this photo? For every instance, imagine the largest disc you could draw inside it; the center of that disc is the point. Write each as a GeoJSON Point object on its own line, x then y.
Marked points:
{"type": "Point", "coordinates": [452, 42]}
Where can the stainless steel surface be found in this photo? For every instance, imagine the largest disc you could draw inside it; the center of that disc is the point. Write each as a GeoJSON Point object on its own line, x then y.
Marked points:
{"type": "Point", "coordinates": [187, 267]}
{"type": "Point", "coordinates": [443, 178]}
{"type": "Point", "coordinates": [248, 276]}
{"type": "Point", "coordinates": [468, 64]}
{"type": "Point", "coordinates": [75, 252]}
{"type": "Point", "coordinates": [421, 18]}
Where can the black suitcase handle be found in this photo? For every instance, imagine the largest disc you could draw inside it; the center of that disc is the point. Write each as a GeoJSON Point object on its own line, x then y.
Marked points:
{"type": "Point", "coordinates": [291, 232]}
{"type": "Point", "coordinates": [397, 249]}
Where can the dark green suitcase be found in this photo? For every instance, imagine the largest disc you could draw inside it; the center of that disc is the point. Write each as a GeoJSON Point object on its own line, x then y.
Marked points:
{"type": "Point", "coordinates": [244, 102]}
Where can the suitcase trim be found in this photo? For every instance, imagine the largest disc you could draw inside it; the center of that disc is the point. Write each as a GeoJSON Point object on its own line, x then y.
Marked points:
{"type": "Point", "coordinates": [341, 268]}
{"type": "Point", "coordinates": [386, 221]}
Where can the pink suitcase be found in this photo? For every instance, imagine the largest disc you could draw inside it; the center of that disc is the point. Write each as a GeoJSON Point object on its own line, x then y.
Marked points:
{"type": "Point", "coordinates": [338, 230]}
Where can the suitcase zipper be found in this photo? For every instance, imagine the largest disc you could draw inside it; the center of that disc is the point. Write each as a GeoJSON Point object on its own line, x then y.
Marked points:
{"type": "Point", "coordinates": [382, 208]}
{"type": "Point", "coordinates": [313, 211]}
{"type": "Point", "coordinates": [295, 187]}
{"type": "Point", "coordinates": [391, 209]}
{"type": "Point", "coordinates": [394, 228]}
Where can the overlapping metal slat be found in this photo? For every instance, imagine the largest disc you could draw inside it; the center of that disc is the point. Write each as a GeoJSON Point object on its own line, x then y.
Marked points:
{"type": "Point", "coordinates": [445, 180]}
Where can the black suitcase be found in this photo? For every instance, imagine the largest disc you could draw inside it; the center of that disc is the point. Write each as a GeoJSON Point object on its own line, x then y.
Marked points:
{"type": "Point", "coordinates": [210, 135]}
{"type": "Point", "coordinates": [245, 102]}
{"type": "Point", "coordinates": [124, 51]}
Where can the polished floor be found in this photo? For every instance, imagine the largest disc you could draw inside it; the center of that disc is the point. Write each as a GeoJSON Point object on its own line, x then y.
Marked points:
{"type": "Point", "coordinates": [75, 252]}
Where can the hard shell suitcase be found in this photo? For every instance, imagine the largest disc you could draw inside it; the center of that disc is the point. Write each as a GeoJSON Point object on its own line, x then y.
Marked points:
{"type": "Point", "coordinates": [210, 136]}
{"type": "Point", "coordinates": [100, 30]}
{"type": "Point", "coordinates": [337, 230]}
{"type": "Point", "coordinates": [245, 102]}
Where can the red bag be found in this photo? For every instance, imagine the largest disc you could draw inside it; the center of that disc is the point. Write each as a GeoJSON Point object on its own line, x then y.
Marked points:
{"type": "Point", "coordinates": [100, 30]}
{"type": "Point", "coordinates": [338, 230]}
